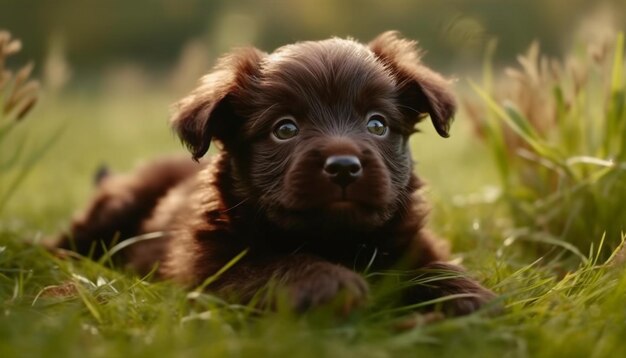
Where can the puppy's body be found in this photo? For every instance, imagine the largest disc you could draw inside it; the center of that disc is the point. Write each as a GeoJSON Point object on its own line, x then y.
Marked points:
{"type": "Point", "coordinates": [315, 177]}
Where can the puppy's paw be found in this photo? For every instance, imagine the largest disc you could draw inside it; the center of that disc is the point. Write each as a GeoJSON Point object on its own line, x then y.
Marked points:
{"type": "Point", "coordinates": [325, 283]}
{"type": "Point", "coordinates": [471, 297]}
{"type": "Point", "coordinates": [455, 293]}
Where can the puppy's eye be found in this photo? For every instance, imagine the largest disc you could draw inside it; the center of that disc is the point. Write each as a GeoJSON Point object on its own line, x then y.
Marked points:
{"type": "Point", "coordinates": [285, 129]}
{"type": "Point", "coordinates": [376, 124]}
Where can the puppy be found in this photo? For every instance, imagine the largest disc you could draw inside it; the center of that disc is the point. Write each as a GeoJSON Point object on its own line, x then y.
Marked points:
{"type": "Point", "coordinates": [314, 180]}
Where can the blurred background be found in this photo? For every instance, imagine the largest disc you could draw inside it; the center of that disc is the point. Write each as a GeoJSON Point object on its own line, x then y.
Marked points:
{"type": "Point", "coordinates": [157, 36]}
{"type": "Point", "coordinates": [109, 70]}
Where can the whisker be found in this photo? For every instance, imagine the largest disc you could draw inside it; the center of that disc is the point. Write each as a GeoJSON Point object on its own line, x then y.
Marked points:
{"type": "Point", "coordinates": [234, 206]}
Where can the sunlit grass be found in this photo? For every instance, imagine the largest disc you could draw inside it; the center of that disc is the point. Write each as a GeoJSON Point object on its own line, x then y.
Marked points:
{"type": "Point", "coordinates": [556, 130]}
{"type": "Point", "coordinates": [107, 312]}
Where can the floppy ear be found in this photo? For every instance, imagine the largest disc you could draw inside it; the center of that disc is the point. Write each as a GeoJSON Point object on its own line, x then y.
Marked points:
{"type": "Point", "coordinates": [208, 112]}
{"type": "Point", "coordinates": [421, 89]}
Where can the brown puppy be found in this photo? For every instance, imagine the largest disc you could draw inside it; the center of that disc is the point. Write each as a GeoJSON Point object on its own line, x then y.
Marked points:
{"type": "Point", "coordinates": [315, 177]}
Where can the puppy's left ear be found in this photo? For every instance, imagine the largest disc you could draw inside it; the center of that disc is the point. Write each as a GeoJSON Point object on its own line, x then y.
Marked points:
{"type": "Point", "coordinates": [209, 111]}
{"type": "Point", "coordinates": [420, 89]}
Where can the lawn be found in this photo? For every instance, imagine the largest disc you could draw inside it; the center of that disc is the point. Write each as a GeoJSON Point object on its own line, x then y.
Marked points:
{"type": "Point", "coordinates": [562, 295]}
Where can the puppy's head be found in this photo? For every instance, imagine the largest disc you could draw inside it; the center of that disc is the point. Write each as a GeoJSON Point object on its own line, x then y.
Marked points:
{"type": "Point", "coordinates": [317, 132]}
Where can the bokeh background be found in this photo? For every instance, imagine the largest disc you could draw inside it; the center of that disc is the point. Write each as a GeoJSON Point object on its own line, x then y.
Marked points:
{"type": "Point", "coordinates": [111, 69]}
{"type": "Point", "coordinates": [153, 34]}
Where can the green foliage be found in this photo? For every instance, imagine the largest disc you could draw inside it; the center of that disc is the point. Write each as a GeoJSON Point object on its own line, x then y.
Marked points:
{"type": "Point", "coordinates": [557, 135]}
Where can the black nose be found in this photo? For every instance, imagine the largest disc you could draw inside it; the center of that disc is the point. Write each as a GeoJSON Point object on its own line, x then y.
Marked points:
{"type": "Point", "coordinates": [343, 169]}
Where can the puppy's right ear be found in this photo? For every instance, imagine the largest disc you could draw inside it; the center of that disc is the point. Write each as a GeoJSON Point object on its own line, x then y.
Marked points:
{"type": "Point", "coordinates": [208, 112]}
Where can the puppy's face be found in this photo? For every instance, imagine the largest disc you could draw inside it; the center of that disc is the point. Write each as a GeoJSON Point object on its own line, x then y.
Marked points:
{"type": "Point", "coordinates": [327, 139]}
{"type": "Point", "coordinates": [318, 131]}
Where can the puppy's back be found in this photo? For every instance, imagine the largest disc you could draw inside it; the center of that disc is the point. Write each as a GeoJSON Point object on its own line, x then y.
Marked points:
{"type": "Point", "coordinates": [122, 203]}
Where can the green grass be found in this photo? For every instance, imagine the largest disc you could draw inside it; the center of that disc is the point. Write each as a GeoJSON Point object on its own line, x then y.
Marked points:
{"type": "Point", "coordinates": [556, 130]}
{"type": "Point", "coordinates": [553, 306]}
{"type": "Point", "coordinates": [548, 311]}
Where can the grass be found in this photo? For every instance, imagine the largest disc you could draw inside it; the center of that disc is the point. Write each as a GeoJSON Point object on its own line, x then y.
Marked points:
{"type": "Point", "coordinates": [553, 306]}
{"type": "Point", "coordinates": [111, 313]}
{"type": "Point", "coordinates": [555, 129]}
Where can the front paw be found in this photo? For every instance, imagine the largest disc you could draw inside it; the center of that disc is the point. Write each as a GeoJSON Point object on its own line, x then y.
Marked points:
{"type": "Point", "coordinates": [468, 296]}
{"type": "Point", "coordinates": [452, 291]}
{"type": "Point", "coordinates": [324, 283]}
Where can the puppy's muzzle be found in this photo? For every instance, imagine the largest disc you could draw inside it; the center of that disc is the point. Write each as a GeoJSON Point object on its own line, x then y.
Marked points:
{"type": "Point", "coordinates": [343, 169]}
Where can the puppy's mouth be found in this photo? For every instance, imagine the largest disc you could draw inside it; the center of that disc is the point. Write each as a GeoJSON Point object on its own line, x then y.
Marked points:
{"type": "Point", "coordinates": [335, 210]}
{"type": "Point", "coordinates": [326, 197]}
{"type": "Point", "coordinates": [331, 198]}
{"type": "Point", "coordinates": [342, 197]}
{"type": "Point", "coordinates": [332, 215]}
{"type": "Point", "coordinates": [342, 205]}
{"type": "Point", "coordinates": [343, 201]}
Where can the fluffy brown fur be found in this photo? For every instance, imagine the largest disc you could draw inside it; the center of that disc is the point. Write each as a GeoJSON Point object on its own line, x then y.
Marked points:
{"type": "Point", "coordinates": [304, 225]}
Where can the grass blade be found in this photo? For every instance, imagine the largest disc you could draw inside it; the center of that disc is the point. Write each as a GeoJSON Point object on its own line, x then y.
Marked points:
{"type": "Point", "coordinates": [28, 166]}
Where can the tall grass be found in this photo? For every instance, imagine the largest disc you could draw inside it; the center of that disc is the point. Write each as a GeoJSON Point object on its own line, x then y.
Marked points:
{"type": "Point", "coordinates": [18, 96]}
{"type": "Point", "coordinates": [557, 133]}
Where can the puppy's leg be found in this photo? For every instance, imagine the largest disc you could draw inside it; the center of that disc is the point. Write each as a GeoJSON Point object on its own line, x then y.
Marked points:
{"type": "Point", "coordinates": [121, 203]}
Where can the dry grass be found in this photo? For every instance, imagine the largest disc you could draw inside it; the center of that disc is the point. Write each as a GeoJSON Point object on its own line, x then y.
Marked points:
{"type": "Point", "coordinates": [556, 131]}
